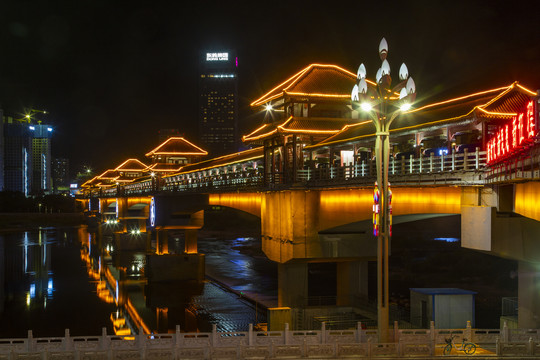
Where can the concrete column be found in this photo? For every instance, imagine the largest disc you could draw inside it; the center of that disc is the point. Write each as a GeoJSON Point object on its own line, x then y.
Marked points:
{"type": "Point", "coordinates": [352, 282]}
{"type": "Point", "coordinates": [162, 242]}
{"type": "Point", "coordinates": [292, 284]}
{"type": "Point", "coordinates": [142, 225]}
{"type": "Point", "coordinates": [528, 296]}
{"type": "Point", "coordinates": [190, 243]}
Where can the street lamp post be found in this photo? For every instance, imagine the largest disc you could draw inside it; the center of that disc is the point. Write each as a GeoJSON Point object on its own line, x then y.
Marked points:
{"type": "Point", "coordinates": [383, 103]}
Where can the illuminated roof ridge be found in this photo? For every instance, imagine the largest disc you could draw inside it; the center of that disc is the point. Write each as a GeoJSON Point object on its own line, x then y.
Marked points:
{"type": "Point", "coordinates": [224, 160]}
{"type": "Point", "coordinates": [177, 146]}
{"type": "Point", "coordinates": [126, 165]}
{"type": "Point", "coordinates": [450, 101]}
{"type": "Point", "coordinates": [288, 86]}
{"type": "Point", "coordinates": [108, 175]}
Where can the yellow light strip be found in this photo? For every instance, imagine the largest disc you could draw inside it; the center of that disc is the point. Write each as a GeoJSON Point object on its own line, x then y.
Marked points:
{"type": "Point", "coordinates": [245, 138]}
{"type": "Point", "coordinates": [345, 96]}
{"type": "Point", "coordinates": [500, 95]}
{"type": "Point", "coordinates": [456, 99]}
{"type": "Point", "coordinates": [312, 131]}
{"type": "Point", "coordinates": [254, 131]}
{"type": "Point", "coordinates": [532, 93]}
{"type": "Point", "coordinates": [298, 74]}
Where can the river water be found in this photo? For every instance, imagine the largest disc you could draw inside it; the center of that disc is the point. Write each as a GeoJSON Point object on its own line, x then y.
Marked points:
{"type": "Point", "coordinates": [67, 278]}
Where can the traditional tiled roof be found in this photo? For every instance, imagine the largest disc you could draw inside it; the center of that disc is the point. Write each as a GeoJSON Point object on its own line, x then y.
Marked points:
{"type": "Point", "coordinates": [177, 146]}
{"type": "Point", "coordinates": [131, 165]}
{"type": "Point", "coordinates": [299, 125]}
{"type": "Point", "coordinates": [491, 104]}
{"type": "Point", "coordinates": [261, 132]}
{"type": "Point", "coordinates": [95, 181]}
{"type": "Point", "coordinates": [109, 175]}
{"type": "Point", "coordinates": [247, 155]}
{"type": "Point", "coordinates": [315, 81]}
{"type": "Point", "coordinates": [164, 167]}
{"type": "Point", "coordinates": [506, 104]}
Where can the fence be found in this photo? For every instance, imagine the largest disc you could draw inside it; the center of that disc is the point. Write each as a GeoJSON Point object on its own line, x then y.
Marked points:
{"type": "Point", "coordinates": [251, 344]}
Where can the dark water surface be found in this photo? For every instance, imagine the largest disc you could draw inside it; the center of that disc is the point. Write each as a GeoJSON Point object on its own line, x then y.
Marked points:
{"type": "Point", "coordinates": [67, 278]}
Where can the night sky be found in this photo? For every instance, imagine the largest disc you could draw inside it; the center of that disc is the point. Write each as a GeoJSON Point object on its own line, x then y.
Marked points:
{"type": "Point", "coordinates": [111, 73]}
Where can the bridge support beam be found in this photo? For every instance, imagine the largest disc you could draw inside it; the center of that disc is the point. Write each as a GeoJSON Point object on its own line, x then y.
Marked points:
{"type": "Point", "coordinates": [292, 284]}
{"type": "Point", "coordinates": [352, 282]}
{"type": "Point", "coordinates": [528, 295]}
{"type": "Point", "coordinates": [162, 242]}
{"type": "Point", "coordinates": [190, 241]}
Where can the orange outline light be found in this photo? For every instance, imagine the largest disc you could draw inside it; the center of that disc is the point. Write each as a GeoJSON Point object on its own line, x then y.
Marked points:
{"type": "Point", "coordinates": [155, 151]}
{"type": "Point", "coordinates": [216, 166]}
{"type": "Point", "coordinates": [456, 99]}
{"type": "Point", "coordinates": [292, 80]}
{"type": "Point", "coordinates": [495, 113]}
{"type": "Point", "coordinates": [119, 167]}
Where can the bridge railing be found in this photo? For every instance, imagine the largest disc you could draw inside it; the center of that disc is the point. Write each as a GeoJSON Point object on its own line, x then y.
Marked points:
{"type": "Point", "coordinates": [251, 178]}
{"type": "Point", "coordinates": [354, 342]}
{"type": "Point", "coordinates": [432, 164]}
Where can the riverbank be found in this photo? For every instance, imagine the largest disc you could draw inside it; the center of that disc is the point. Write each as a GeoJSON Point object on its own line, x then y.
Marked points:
{"type": "Point", "coordinates": [31, 221]}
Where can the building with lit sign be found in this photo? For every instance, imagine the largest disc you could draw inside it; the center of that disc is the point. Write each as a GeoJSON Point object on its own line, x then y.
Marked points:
{"type": "Point", "coordinates": [218, 102]}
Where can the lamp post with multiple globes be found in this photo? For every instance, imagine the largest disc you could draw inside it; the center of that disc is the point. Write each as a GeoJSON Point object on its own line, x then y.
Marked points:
{"type": "Point", "coordinates": [383, 103]}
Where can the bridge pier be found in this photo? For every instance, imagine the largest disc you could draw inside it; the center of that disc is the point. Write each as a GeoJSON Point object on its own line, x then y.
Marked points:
{"type": "Point", "coordinates": [528, 295]}
{"type": "Point", "coordinates": [162, 242]}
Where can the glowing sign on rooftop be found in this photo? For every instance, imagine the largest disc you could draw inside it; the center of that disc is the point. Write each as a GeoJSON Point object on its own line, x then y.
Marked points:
{"type": "Point", "coordinates": [222, 56]}
{"type": "Point", "coordinates": [513, 136]}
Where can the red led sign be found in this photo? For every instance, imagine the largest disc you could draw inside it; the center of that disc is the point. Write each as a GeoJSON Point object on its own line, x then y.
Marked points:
{"type": "Point", "coordinates": [513, 136]}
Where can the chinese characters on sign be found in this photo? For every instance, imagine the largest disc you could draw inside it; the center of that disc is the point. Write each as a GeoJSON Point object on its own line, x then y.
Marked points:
{"type": "Point", "coordinates": [513, 136]}
{"type": "Point", "coordinates": [217, 56]}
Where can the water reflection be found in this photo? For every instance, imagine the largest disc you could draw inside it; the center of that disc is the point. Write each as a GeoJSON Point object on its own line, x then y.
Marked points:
{"type": "Point", "coordinates": [36, 269]}
{"type": "Point", "coordinates": [56, 279]}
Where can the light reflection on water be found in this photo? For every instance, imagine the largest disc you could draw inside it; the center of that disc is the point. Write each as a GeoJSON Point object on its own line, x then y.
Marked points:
{"type": "Point", "coordinates": [70, 278]}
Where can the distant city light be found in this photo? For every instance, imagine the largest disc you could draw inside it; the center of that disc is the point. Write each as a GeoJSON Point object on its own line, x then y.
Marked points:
{"type": "Point", "coordinates": [49, 129]}
{"type": "Point", "coordinates": [32, 128]}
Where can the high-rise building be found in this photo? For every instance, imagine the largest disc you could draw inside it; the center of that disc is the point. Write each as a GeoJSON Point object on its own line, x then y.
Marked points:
{"type": "Point", "coordinates": [17, 156]}
{"type": "Point", "coordinates": [60, 175]}
{"type": "Point", "coordinates": [218, 102]}
{"type": "Point", "coordinates": [1, 150]}
{"type": "Point", "coordinates": [26, 156]}
{"type": "Point", "coordinates": [41, 158]}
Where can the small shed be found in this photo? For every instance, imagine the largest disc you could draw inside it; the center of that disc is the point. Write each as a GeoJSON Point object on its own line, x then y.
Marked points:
{"type": "Point", "coordinates": [448, 308]}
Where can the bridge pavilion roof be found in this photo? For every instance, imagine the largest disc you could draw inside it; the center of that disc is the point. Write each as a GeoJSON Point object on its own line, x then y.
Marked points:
{"type": "Point", "coordinates": [315, 82]}
{"type": "Point", "coordinates": [164, 167]}
{"type": "Point", "coordinates": [317, 127]}
{"type": "Point", "coordinates": [131, 165]}
{"type": "Point", "coordinates": [177, 146]}
{"type": "Point", "coordinates": [491, 105]}
{"type": "Point", "coordinates": [225, 160]}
